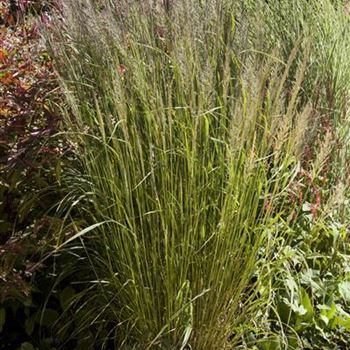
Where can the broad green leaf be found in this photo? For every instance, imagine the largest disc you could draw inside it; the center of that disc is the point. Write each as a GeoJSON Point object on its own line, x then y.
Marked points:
{"type": "Point", "coordinates": [345, 322]}
{"type": "Point", "coordinates": [283, 311]}
{"type": "Point", "coordinates": [307, 304]}
{"type": "Point", "coordinates": [291, 284]}
{"type": "Point", "coordinates": [330, 311]}
{"type": "Point", "coordinates": [29, 324]}
{"type": "Point", "coordinates": [324, 318]}
{"type": "Point", "coordinates": [308, 278]}
{"type": "Point", "coordinates": [299, 309]}
{"type": "Point", "coordinates": [27, 346]}
{"type": "Point", "coordinates": [344, 290]}
{"type": "Point", "coordinates": [271, 343]}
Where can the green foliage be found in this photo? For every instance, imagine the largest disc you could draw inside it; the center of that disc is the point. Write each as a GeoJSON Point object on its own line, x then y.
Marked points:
{"type": "Point", "coordinates": [304, 278]}
{"type": "Point", "coordinates": [205, 201]}
{"type": "Point", "coordinates": [191, 146]}
{"type": "Point", "coordinates": [176, 170]}
{"type": "Point", "coordinates": [308, 308]}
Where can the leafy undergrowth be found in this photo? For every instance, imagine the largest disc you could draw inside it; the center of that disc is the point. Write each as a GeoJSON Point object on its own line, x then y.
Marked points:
{"type": "Point", "coordinates": [308, 298]}
{"type": "Point", "coordinates": [29, 167]}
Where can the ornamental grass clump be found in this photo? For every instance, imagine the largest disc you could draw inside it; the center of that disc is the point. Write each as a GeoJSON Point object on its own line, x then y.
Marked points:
{"type": "Point", "coordinates": [186, 142]}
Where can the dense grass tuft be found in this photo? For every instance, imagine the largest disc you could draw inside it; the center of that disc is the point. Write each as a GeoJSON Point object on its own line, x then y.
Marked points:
{"type": "Point", "coordinates": [191, 124]}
